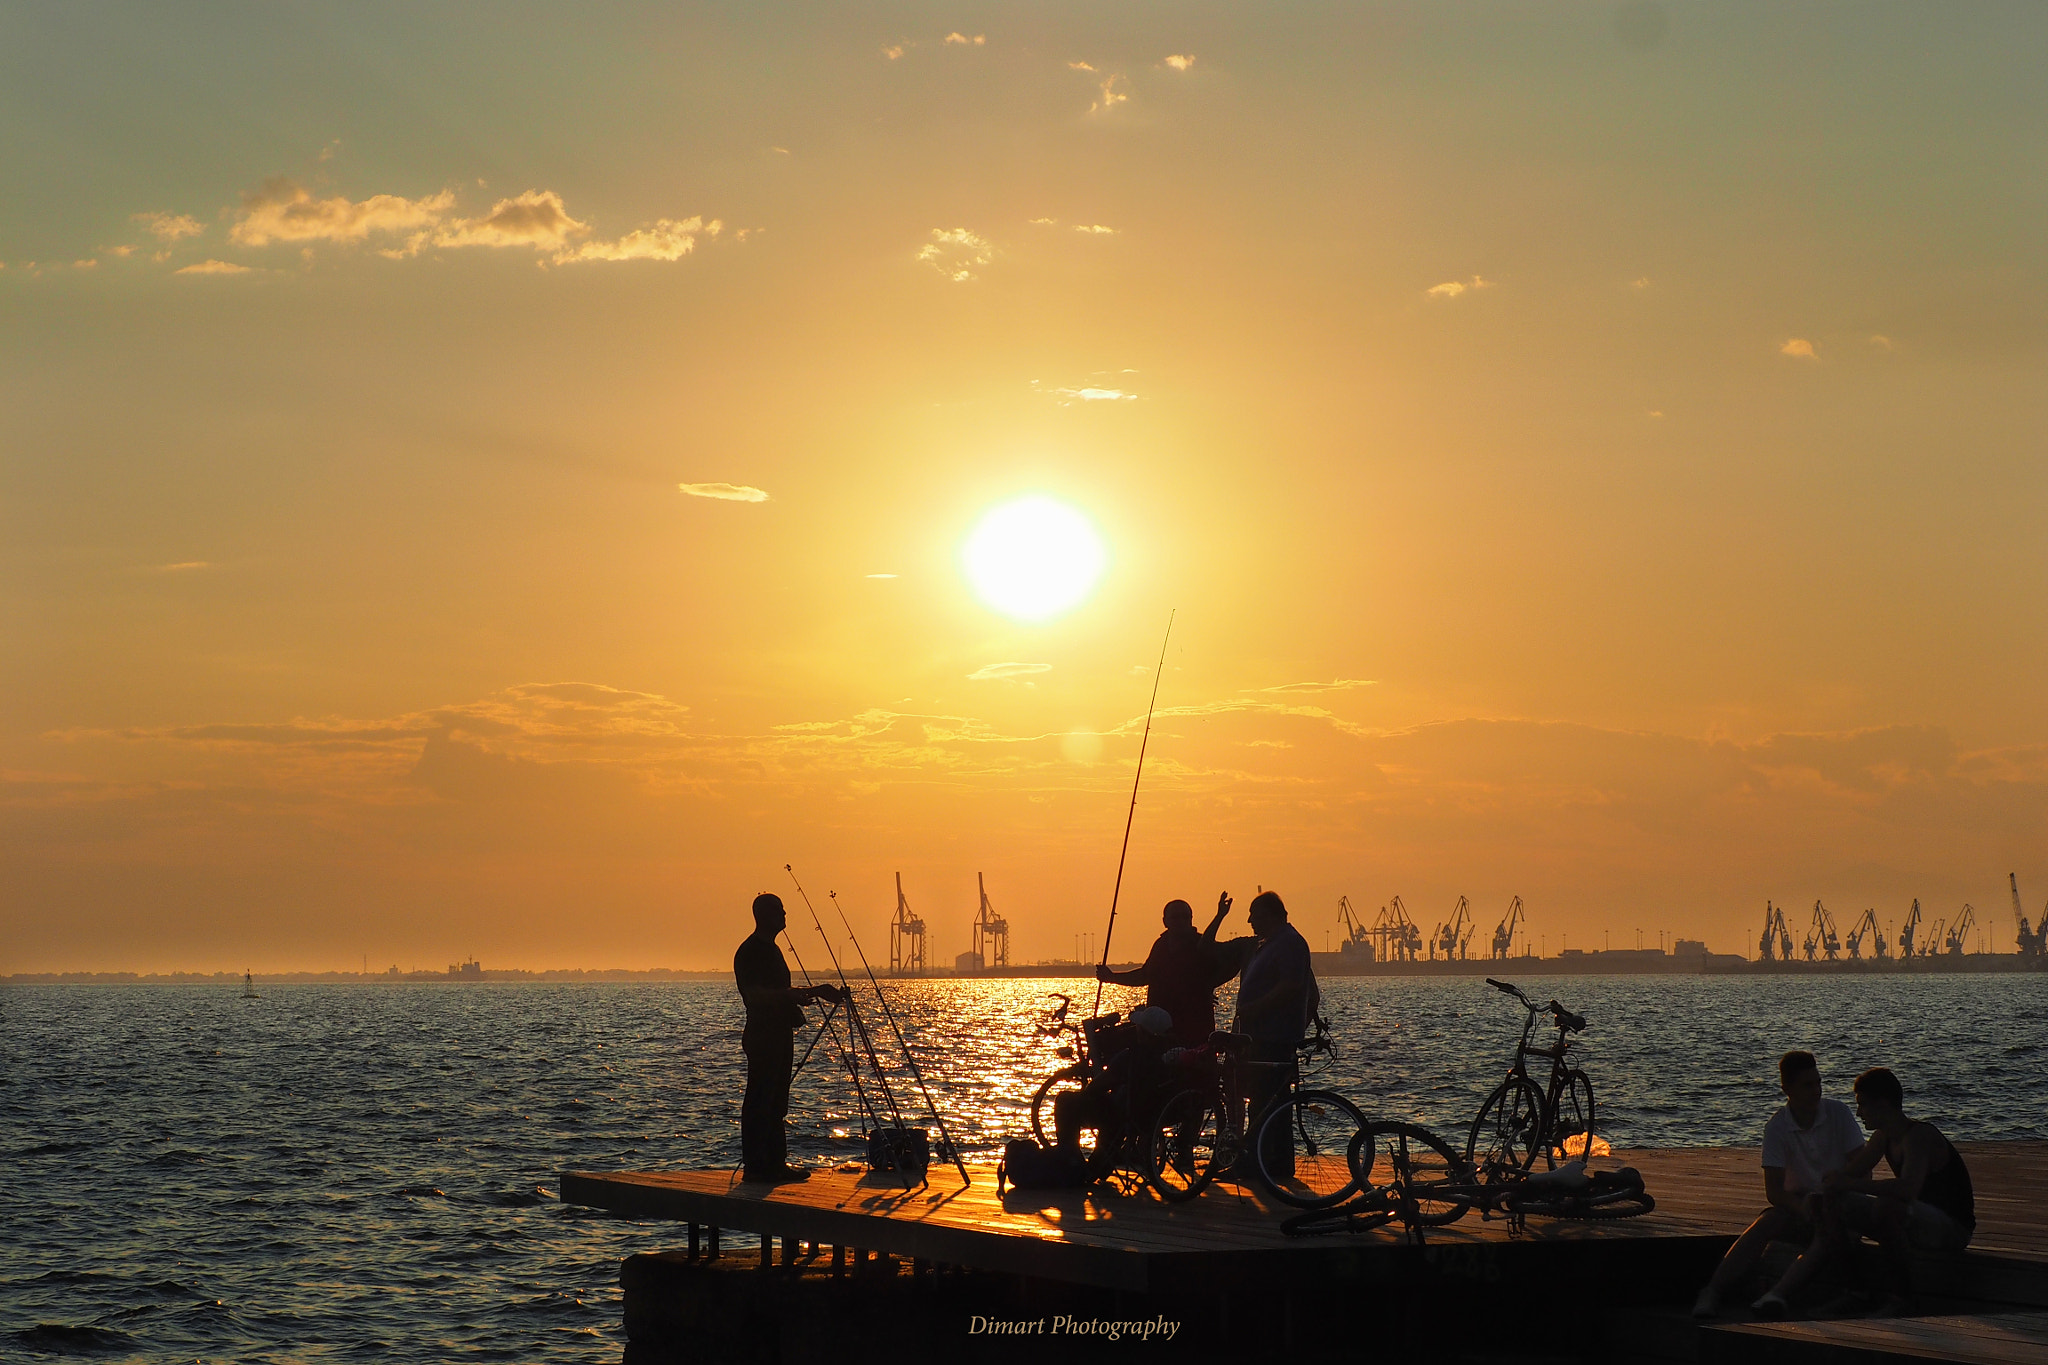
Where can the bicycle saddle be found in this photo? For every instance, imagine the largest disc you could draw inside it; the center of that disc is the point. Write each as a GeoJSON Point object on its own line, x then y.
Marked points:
{"type": "Point", "coordinates": [1569, 1178]}
{"type": "Point", "coordinates": [1566, 1020]}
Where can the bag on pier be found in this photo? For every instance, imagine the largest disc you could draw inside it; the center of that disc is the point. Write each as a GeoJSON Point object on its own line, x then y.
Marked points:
{"type": "Point", "coordinates": [899, 1149]}
{"type": "Point", "coordinates": [1029, 1166]}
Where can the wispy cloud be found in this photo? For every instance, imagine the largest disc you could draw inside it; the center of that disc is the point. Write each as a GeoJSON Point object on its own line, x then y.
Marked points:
{"type": "Point", "coordinates": [214, 268]}
{"type": "Point", "coordinates": [962, 40]}
{"type": "Point", "coordinates": [1640, 283]}
{"type": "Point", "coordinates": [893, 51]}
{"type": "Point", "coordinates": [279, 210]}
{"type": "Point", "coordinates": [1799, 347]}
{"type": "Point", "coordinates": [536, 218]}
{"type": "Point", "coordinates": [169, 227]}
{"type": "Point", "coordinates": [667, 240]}
{"type": "Point", "coordinates": [1112, 92]}
{"type": "Point", "coordinates": [1882, 342]}
{"type": "Point", "coordinates": [1080, 66]}
{"type": "Point", "coordinates": [724, 492]}
{"type": "Point", "coordinates": [1181, 61]}
{"type": "Point", "coordinates": [1005, 672]}
{"type": "Point", "coordinates": [1095, 229]}
{"type": "Point", "coordinates": [1334, 685]}
{"type": "Point", "coordinates": [1451, 289]}
{"type": "Point", "coordinates": [183, 566]}
{"type": "Point", "coordinates": [956, 253]}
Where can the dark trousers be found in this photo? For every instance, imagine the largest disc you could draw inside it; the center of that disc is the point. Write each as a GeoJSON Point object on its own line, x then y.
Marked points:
{"type": "Point", "coordinates": [1268, 1083]}
{"type": "Point", "coordinates": [764, 1147]}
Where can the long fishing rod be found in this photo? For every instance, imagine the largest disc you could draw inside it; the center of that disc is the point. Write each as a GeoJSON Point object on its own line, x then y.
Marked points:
{"type": "Point", "coordinates": [831, 1012]}
{"type": "Point", "coordinates": [897, 1028]}
{"type": "Point", "coordinates": [855, 1026]}
{"type": "Point", "coordinates": [1132, 814]}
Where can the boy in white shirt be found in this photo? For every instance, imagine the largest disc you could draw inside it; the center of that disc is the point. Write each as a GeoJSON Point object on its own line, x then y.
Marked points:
{"type": "Point", "coordinates": [1807, 1140]}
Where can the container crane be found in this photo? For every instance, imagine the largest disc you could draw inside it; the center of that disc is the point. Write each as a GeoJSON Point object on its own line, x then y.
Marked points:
{"type": "Point", "coordinates": [1866, 928]}
{"type": "Point", "coordinates": [1823, 933]}
{"type": "Point", "coordinates": [991, 932]}
{"type": "Point", "coordinates": [1777, 940]}
{"type": "Point", "coordinates": [2032, 942]}
{"type": "Point", "coordinates": [1907, 929]}
{"type": "Point", "coordinates": [1453, 934]}
{"type": "Point", "coordinates": [1504, 934]}
{"type": "Point", "coordinates": [1958, 938]}
{"type": "Point", "coordinates": [906, 938]}
{"type": "Point", "coordinates": [1357, 938]}
{"type": "Point", "coordinates": [1397, 937]}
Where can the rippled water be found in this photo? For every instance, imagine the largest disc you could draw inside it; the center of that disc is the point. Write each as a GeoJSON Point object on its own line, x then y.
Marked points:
{"type": "Point", "coordinates": [368, 1172]}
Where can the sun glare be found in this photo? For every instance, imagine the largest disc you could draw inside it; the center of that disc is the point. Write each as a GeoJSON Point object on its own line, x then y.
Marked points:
{"type": "Point", "coordinates": [1033, 558]}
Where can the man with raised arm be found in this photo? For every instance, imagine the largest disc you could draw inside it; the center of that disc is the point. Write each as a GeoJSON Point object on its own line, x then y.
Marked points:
{"type": "Point", "coordinates": [1807, 1140]}
{"type": "Point", "coordinates": [774, 1012]}
{"type": "Point", "coordinates": [1180, 974]}
{"type": "Point", "coordinates": [1927, 1206]}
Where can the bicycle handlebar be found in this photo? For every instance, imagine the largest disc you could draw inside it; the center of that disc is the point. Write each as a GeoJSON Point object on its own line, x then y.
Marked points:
{"type": "Point", "coordinates": [1566, 1020]}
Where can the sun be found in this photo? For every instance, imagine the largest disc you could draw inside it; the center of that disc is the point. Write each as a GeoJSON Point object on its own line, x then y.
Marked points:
{"type": "Point", "coordinates": [1033, 558]}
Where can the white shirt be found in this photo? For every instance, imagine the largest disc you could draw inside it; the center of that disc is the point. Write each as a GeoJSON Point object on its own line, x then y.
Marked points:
{"type": "Point", "coordinates": [1807, 1154]}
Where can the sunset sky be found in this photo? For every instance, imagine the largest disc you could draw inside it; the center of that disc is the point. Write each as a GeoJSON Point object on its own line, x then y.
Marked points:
{"type": "Point", "coordinates": [493, 479]}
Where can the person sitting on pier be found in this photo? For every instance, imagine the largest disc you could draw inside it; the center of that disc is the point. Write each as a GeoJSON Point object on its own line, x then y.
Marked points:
{"type": "Point", "coordinates": [1928, 1206]}
{"type": "Point", "coordinates": [1276, 1000]}
{"type": "Point", "coordinates": [1180, 973]}
{"type": "Point", "coordinates": [1808, 1139]}
{"type": "Point", "coordinates": [774, 1013]}
{"type": "Point", "coordinates": [1124, 1087]}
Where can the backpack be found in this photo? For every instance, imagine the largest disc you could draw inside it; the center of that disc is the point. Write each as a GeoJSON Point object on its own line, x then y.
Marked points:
{"type": "Point", "coordinates": [1029, 1166]}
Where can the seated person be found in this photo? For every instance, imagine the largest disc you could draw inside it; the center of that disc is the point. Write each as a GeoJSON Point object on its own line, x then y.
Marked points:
{"type": "Point", "coordinates": [1808, 1139]}
{"type": "Point", "coordinates": [1129, 1069]}
{"type": "Point", "coordinates": [1927, 1206]}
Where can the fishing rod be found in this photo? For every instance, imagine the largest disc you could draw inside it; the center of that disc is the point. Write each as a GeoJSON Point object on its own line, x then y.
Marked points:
{"type": "Point", "coordinates": [1132, 814]}
{"type": "Point", "coordinates": [856, 1027]}
{"type": "Point", "coordinates": [889, 1014]}
{"type": "Point", "coordinates": [830, 1010]}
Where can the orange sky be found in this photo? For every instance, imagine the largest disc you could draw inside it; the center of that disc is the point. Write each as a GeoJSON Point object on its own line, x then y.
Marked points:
{"type": "Point", "coordinates": [1594, 452]}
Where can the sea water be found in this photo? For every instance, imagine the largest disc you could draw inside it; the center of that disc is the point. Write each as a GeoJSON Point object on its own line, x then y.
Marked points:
{"type": "Point", "coordinates": [369, 1172]}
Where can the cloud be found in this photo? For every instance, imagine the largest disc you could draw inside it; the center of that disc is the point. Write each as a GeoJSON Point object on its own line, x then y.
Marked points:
{"type": "Point", "coordinates": [1334, 685]}
{"type": "Point", "coordinates": [1181, 61]}
{"type": "Point", "coordinates": [1800, 347]}
{"type": "Point", "coordinates": [1095, 229]}
{"type": "Point", "coordinates": [1109, 96]}
{"type": "Point", "coordinates": [183, 566]}
{"type": "Point", "coordinates": [666, 240]}
{"type": "Point", "coordinates": [893, 51]}
{"type": "Point", "coordinates": [536, 218]}
{"type": "Point", "coordinates": [1079, 66]}
{"type": "Point", "coordinates": [724, 492]}
{"type": "Point", "coordinates": [214, 268]}
{"type": "Point", "coordinates": [1450, 289]}
{"type": "Point", "coordinates": [1005, 671]}
{"type": "Point", "coordinates": [1044, 222]}
{"type": "Point", "coordinates": [1640, 283]}
{"type": "Point", "coordinates": [85, 265]}
{"type": "Point", "coordinates": [956, 253]}
{"type": "Point", "coordinates": [962, 40]}
{"type": "Point", "coordinates": [280, 211]}
{"type": "Point", "coordinates": [169, 227]}
{"type": "Point", "coordinates": [1882, 342]}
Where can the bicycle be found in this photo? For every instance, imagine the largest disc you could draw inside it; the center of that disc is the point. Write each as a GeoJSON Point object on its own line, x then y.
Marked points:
{"type": "Point", "coordinates": [1521, 1120]}
{"type": "Point", "coordinates": [1200, 1132]}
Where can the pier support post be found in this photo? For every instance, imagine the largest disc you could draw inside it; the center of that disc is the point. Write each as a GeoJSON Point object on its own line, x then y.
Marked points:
{"type": "Point", "coordinates": [789, 1245]}
{"type": "Point", "coordinates": [838, 1260]}
{"type": "Point", "coordinates": [767, 1250]}
{"type": "Point", "coordinates": [693, 1241]}
{"type": "Point", "coordinates": [714, 1242]}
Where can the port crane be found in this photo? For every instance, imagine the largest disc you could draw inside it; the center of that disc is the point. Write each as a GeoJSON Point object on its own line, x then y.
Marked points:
{"type": "Point", "coordinates": [906, 938]}
{"type": "Point", "coordinates": [1453, 934]}
{"type": "Point", "coordinates": [1357, 938]}
{"type": "Point", "coordinates": [991, 932]}
{"type": "Point", "coordinates": [2032, 942]}
{"type": "Point", "coordinates": [1504, 935]}
{"type": "Point", "coordinates": [1821, 934]}
{"type": "Point", "coordinates": [1866, 928]}
{"type": "Point", "coordinates": [1397, 937]}
{"type": "Point", "coordinates": [1958, 940]}
{"type": "Point", "coordinates": [1907, 929]}
{"type": "Point", "coordinates": [1777, 940]}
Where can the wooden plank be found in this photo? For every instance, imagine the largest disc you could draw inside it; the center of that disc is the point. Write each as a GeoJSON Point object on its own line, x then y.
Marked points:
{"type": "Point", "coordinates": [1978, 1339]}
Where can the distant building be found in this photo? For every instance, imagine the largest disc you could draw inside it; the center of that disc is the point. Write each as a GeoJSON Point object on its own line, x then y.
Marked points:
{"type": "Point", "coordinates": [468, 971]}
{"type": "Point", "coordinates": [969, 962]}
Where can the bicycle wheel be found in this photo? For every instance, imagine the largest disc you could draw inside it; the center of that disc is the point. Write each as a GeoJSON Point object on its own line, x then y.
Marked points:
{"type": "Point", "coordinates": [1571, 1127]}
{"type": "Point", "coordinates": [1183, 1145]}
{"type": "Point", "coordinates": [1060, 1082]}
{"type": "Point", "coordinates": [1302, 1151]}
{"type": "Point", "coordinates": [1415, 1170]}
{"type": "Point", "coordinates": [1503, 1141]}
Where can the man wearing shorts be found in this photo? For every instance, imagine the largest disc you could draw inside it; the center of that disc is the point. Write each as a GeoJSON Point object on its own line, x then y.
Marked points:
{"type": "Point", "coordinates": [1807, 1140]}
{"type": "Point", "coordinates": [1927, 1206]}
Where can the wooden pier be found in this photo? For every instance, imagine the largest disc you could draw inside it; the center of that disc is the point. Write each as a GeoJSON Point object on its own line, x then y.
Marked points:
{"type": "Point", "coordinates": [949, 1253]}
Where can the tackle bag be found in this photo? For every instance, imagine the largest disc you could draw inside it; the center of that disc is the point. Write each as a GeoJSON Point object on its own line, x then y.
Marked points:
{"type": "Point", "coordinates": [899, 1149]}
{"type": "Point", "coordinates": [1029, 1166]}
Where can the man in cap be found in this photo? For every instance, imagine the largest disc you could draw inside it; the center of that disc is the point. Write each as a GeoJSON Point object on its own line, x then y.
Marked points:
{"type": "Point", "coordinates": [1181, 973]}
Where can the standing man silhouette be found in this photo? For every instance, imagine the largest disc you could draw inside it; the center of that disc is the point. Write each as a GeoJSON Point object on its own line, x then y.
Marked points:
{"type": "Point", "coordinates": [775, 1012]}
